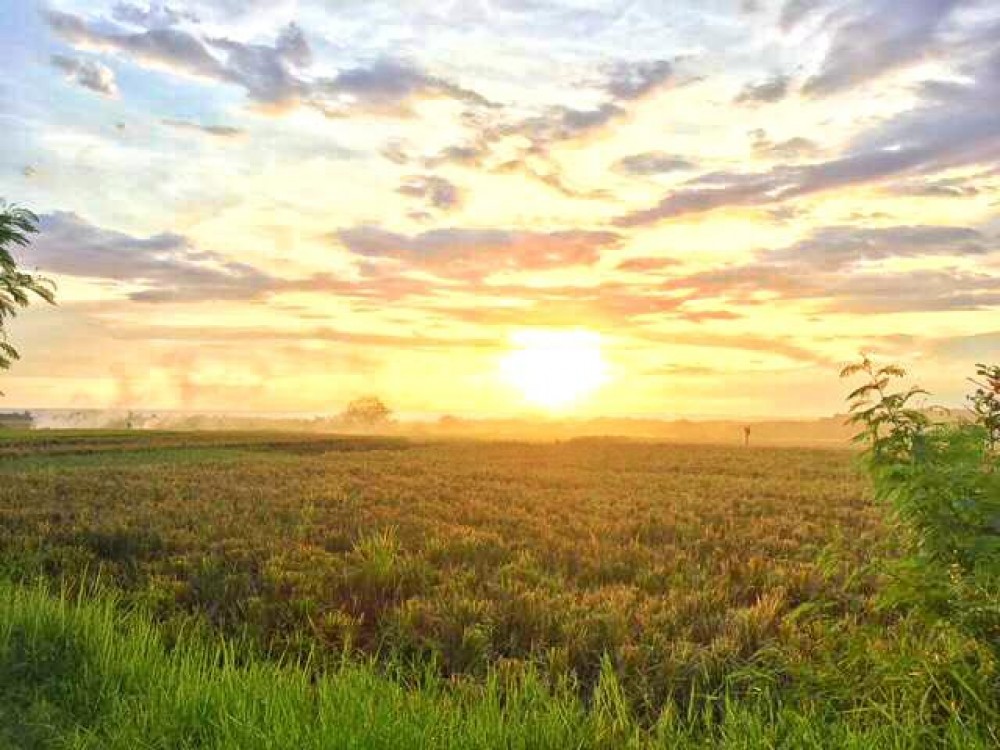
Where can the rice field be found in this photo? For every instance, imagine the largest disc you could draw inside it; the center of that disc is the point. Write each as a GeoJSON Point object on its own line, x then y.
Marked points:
{"type": "Point", "coordinates": [674, 591]}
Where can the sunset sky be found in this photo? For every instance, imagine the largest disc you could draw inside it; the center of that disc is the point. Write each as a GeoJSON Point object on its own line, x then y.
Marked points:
{"type": "Point", "coordinates": [672, 208]}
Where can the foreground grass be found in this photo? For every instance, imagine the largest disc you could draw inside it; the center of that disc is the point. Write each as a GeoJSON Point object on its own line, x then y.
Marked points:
{"type": "Point", "coordinates": [87, 674]}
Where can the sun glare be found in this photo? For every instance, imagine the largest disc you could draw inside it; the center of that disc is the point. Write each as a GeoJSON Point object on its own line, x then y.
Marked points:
{"type": "Point", "coordinates": [555, 369]}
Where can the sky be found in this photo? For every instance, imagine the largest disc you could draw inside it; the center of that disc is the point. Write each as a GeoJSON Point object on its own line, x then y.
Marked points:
{"type": "Point", "coordinates": [501, 207]}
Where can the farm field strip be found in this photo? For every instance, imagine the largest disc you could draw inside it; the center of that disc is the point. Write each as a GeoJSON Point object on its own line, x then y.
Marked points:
{"type": "Point", "coordinates": [692, 572]}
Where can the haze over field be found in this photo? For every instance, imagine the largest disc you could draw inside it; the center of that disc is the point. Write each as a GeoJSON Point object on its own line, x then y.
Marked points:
{"type": "Point", "coordinates": [497, 207]}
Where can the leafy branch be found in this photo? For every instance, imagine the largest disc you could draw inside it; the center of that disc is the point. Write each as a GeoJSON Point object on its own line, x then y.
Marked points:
{"type": "Point", "coordinates": [891, 427]}
{"type": "Point", "coordinates": [17, 225]}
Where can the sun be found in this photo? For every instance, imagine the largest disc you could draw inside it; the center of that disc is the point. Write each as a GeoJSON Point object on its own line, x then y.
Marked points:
{"type": "Point", "coordinates": [554, 369]}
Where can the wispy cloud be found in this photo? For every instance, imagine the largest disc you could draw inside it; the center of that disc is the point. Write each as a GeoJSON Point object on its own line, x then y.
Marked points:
{"type": "Point", "coordinates": [877, 37]}
{"type": "Point", "coordinates": [654, 162]}
{"type": "Point", "coordinates": [477, 253]}
{"type": "Point", "coordinates": [953, 125]}
{"type": "Point", "coordinates": [791, 149]}
{"type": "Point", "coordinates": [435, 191]}
{"type": "Point", "coordinates": [90, 74]}
{"type": "Point", "coordinates": [634, 80]}
{"type": "Point", "coordinates": [272, 75]}
{"type": "Point", "coordinates": [772, 90]}
{"type": "Point", "coordinates": [217, 131]}
{"type": "Point", "coordinates": [840, 267]}
{"type": "Point", "coordinates": [153, 16]}
{"type": "Point", "coordinates": [156, 268]}
{"type": "Point", "coordinates": [793, 12]}
{"type": "Point", "coordinates": [385, 86]}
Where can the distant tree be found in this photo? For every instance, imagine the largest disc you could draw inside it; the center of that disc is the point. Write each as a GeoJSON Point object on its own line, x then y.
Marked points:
{"type": "Point", "coordinates": [367, 411]}
{"type": "Point", "coordinates": [16, 287]}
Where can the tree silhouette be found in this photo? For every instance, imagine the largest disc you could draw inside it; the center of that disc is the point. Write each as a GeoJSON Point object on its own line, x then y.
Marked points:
{"type": "Point", "coordinates": [16, 287]}
{"type": "Point", "coordinates": [367, 411]}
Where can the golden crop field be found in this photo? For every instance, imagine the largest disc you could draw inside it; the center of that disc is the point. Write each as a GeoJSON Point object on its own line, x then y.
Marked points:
{"type": "Point", "coordinates": [683, 564]}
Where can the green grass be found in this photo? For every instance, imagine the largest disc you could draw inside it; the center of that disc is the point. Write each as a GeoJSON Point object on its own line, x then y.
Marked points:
{"type": "Point", "coordinates": [87, 674]}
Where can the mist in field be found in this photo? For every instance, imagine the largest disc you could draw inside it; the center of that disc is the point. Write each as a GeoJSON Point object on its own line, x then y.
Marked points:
{"type": "Point", "coordinates": [831, 431]}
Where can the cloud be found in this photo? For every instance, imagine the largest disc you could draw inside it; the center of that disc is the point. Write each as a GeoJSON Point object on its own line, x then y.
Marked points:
{"type": "Point", "coordinates": [477, 253]}
{"type": "Point", "coordinates": [292, 46]}
{"type": "Point", "coordinates": [835, 248]}
{"type": "Point", "coordinates": [559, 124]}
{"type": "Point", "coordinates": [954, 124]}
{"type": "Point", "coordinates": [549, 176]}
{"type": "Point", "coordinates": [700, 316]}
{"type": "Point", "coordinates": [954, 187]}
{"type": "Point", "coordinates": [269, 74]}
{"type": "Point", "coordinates": [556, 124]}
{"type": "Point", "coordinates": [89, 74]}
{"type": "Point", "coordinates": [879, 37]}
{"type": "Point", "coordinates": [170, 48]}
{"type": "Point", "coordinates": [472, 154]}
{"type": "Point", "coordinates": [623, 83]}
{"type": "Point", "coordinates": [978, 347]}
{"type": "Point", "coordinates": [834, 265]}
{"type": "Point", "coordinates": [793, 12]}
{"type": "Point", "coordinates": [234, 10]}
{"type": "Point", "coordinates": [166, 266]}
{"type": "Point", "coordinates": [634, 80]}
{"type": "Point", "coordinates": [385, 86]}
{"type": "Point", "coordinates": [217, 131]}
{"type": "Point", "coordinates": [783, 214]}
{"type": "Point", "coordinates": [436, 191]}
{"type": "Point", "coordinates": [792, 149]}
{"type": "Point", "coordinates": [751, 343]}
{"type": "Point", "coordinates": [740, 190]}
{"type": "Point", "coordinates": [317, 333]}
{"type": "Point", "coordinates": [626, 81]}
{"type": "Point", "coordinates": [839, 269]}
{"type": "Point", "coordinates": [772, 90]}
{"type": "Point", "coordinates": [645, 265]}
{"type": "Point", "coordinates": [273, 76]}
{"type": "Point", "coordinates": [961, 129]}
{"type": "Point", "coordinates": [917, 291]}
{"type": "Point", "coordinates": [653, 162]}
{"type": "Point", "coordinates": [156, 15]}
{"type": "Point", "coordinates": [396, 151]}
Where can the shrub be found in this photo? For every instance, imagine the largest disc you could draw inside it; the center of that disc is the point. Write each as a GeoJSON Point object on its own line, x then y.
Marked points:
{"type": "Point", "coordinates": [941, 482]}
